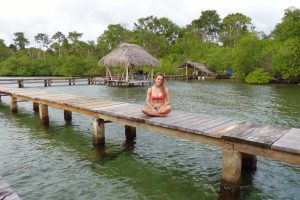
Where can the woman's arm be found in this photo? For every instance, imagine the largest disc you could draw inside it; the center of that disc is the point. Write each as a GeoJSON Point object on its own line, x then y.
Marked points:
{"type": "Point", "coordinates": [167, 100]}
{"type": "Point", "coordinates": [148, 99]}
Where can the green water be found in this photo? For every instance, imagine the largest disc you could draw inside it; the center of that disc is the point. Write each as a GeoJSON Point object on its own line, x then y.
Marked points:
{"type": "Point", "coordinates": [60, 162]}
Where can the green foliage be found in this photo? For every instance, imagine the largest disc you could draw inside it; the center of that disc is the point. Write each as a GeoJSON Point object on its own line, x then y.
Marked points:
{"type": "Point", "coordinates": [247, 55]}
{"type": "Point", "coordinates": [233, 27]}
{"type": "Point", "coordinates": [20, 41]}
{"type": "Point", "coordinates": [207, 26]}
{"type": "Point", "coordinates": [286, 60]}
{"type": "Point", "coordinates": [258, 76]}
{"type": "Point", "coordinates": [290, 25]}
{"type": "Point", "coordinates": [76, 66]}
{"type": "Point", "coordinates": [218, 59]}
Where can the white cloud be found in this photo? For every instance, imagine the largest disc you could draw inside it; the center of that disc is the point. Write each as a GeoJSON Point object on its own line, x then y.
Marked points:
{"type": "Point", "coordinates": [91, 17]}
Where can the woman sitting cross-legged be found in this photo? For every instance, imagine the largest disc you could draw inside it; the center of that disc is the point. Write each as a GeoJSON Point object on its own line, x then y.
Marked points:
{"type": "Point", "coordinates": [158, 99]}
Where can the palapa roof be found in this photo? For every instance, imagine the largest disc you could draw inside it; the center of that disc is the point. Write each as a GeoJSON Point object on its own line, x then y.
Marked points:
{"type": "Point", "coordinates": [201, 67]}
{"type": "Point", "coordinates": [129, 55]}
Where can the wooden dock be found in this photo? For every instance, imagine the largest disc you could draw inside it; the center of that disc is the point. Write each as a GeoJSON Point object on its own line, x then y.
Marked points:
{"type": "Point", "coordinates": [128, 83]}
{"type": "Point", "coordinates": [241, 141]}
{"type": "Point", "coordinates": [6, 192]}
{"type": "Point", "coordinates": [49, 81]}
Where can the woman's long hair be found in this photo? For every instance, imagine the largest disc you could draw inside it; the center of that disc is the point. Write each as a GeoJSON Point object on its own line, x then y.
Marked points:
{"type": "Point", "coordinates": [163, 85]}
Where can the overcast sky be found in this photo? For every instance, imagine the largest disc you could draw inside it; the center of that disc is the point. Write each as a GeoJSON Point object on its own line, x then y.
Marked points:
{"type": "Point", "coordinates": [91, 17]}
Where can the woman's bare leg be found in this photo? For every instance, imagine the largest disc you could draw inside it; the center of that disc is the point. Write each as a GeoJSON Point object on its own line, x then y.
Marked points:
{"type": "Point", "coordinates": [165, 110]}
{"type": "Point", "coordinates": [148, 111]}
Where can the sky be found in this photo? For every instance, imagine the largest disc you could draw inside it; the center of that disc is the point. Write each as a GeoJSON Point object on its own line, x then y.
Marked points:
{"type": "Point", "coordinates": [91, 17]}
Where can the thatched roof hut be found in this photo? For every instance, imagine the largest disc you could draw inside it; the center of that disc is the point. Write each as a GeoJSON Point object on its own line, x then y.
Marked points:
{"type": "Point", "coordinates": [129, 56]}
{"type": "Point", "coordinates": [202, 68]}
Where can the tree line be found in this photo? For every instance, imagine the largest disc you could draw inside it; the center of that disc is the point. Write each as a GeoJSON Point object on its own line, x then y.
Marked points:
{"type": "Point", "coordinates": [231, 42]}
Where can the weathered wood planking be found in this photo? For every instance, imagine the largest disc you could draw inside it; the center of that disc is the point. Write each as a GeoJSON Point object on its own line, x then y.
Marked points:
{"type": "Point", "coordinates": [224, 132]}
{"type": "Point", "coordinates": [6, 192]}
{"type": "Point", "coordinates": [94, 103]}
{"type": "Point", "coordinates": [258, 135]}
{"type": "Point", "coordinates": [289, 142]}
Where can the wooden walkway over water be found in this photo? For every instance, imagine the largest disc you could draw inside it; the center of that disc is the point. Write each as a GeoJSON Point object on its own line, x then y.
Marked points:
{"type": "Point", "coordinates": [241, 141]}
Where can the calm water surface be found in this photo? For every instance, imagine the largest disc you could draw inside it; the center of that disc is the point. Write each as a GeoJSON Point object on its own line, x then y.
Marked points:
{"type": "Point", "coordinates": [60, 162]}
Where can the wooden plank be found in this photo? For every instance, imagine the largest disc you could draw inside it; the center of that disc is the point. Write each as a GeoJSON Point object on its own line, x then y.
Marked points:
{"type": "Point", "coordinates": [219, 131]}
{"type": "Point", "coordinates": [190, 126]}
{"type": "Point", "coordinates": [60, 97]}
{"type": "Point", "coordinates": [194, 118]}
{"type": "Point", "coordinates": [77, 100]}
{"type": "Point", "coordinates": [257, 135]}
{"type": "Point", "coordinates": [104, 107]}
{"type": "Point", "coordinates": [110, 108]}
{"type": "Point", "coordinates": [174, 115]}
{"type": "Point", "coordinates": [94, 103]}
{"type": "Point", "coordinates": [211, 124]}
{"type": "Point", "coordinates": [290, 142]}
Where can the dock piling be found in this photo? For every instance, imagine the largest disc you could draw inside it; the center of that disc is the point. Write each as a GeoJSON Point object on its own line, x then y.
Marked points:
{"type": "Point", "coordinates": [13, 104]}
{"type": "Point", "coordinates": [130, 132]}
{"type": "Point", "coordinates": [44, 116]}
{"type": "Point", "coordinates": [98, 131]}
{"type": "Point", "coordinates": [67, 116]}
{"type": "Point", "coordinates": [35, 107]}
{"type": "Point", "coordinates": [232, 166]}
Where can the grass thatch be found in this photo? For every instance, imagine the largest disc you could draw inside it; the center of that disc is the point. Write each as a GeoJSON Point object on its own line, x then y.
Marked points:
{"type": "Point", "coordinates": [129, 55]}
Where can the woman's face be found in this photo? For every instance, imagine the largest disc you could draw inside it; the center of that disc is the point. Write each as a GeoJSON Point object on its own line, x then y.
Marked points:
{"type": "Point", "coordinates": [159, 80]}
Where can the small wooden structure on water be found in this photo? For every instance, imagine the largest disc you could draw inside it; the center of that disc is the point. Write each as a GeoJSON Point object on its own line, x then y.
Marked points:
{"type": "Point", "coordinates": [129, 56]}
{"type": "Point", "coordinates": [6, 192]}
{"type": "Point", "coordinates": [241, 141]}
{"type": "Point", "coordinates": [198, 69]}
{"type": "Point", "coordinates": [49, 81]}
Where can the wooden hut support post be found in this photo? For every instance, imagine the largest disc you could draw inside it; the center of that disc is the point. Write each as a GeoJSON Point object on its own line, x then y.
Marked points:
{"type": "Point", "coordinates": [98, 131]}
{"type": "Point", "coordinates": [130, 133]}
{"type": "Point", "coordinates": [44, 116]}
{"type": "Point", "coordinates": [13, 104]}
{"type": "Point", "coordinates": [67, 116]}
{"type": "Point", "coordinates": [35, 107]}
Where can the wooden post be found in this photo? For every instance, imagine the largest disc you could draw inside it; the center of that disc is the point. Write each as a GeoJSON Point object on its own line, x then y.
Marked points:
{"type": "Point", "coordinates": [248, 162]}
{"type": "Point", "coordinates": [44, 116]}
{"type": "Point", "coordinates": [13, 104]}
{"type": "Point", "coordinates": [130, 132]}
{"type": "Point", "coordinates": [98, 131]}
{"type": "Point", "coordinates": [20, 83]}
{"type": "Point", "coordinates": [35, 107]}
{"type": "Point", "coordinates": [67, 116]}
{"type": "Point", "coordinates": [126, 77]}
{"type": "Point", "coordinates": [70, 81]}
{"type": "Point", "coordinates": [45, 82]}
{"type": "Point", "coordinates": [232, 166]}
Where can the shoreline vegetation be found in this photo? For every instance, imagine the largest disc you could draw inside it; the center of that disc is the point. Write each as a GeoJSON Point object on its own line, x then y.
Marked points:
{"type": "Point", "coordinates": [220, 44]}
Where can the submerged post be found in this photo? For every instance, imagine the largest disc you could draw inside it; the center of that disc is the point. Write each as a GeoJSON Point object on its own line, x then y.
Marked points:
{"type": "Point", "coordinates": [44, 116]}
{"type": "Point", "coordinates": [35, 107]}
{"type": "Point", "coordinates": [45, 82]}
{"type": "Point", "coordinates": [67, 116]}
{"type": "Point", "coordinates": [20, 83]}
{"type": "Point", "coordinates": [13, 104]}
{"type": "Point", "coordinates": [248, 162]}
{"type": "Point", "coordinates": [130, 132]}
{"type": "Point", "coordinates": [98, 131]}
